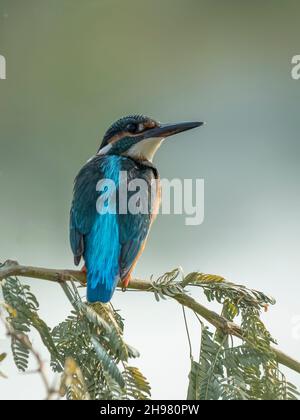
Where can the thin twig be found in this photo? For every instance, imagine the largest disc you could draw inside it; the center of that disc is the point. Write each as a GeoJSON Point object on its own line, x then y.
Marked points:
{"type": "Point", "coordinates": [21, 338]}
{"type": "Point", "coordinates": [187, 332]}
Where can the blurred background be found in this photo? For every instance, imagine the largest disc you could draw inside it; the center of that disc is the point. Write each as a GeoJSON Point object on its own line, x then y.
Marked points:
{"type": "Point", "coordinates": [74, 67]}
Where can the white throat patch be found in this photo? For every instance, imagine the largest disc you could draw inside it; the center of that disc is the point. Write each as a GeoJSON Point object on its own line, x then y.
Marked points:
{"type": "Point", "coordinates": [145, 149]}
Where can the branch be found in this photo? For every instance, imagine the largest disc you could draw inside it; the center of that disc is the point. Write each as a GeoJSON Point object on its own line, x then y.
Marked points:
{"type": "Point", "coordinates": [12, 268]}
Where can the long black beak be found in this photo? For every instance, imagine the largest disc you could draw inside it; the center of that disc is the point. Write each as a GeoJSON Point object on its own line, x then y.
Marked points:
{"type": "Point", "coordinates": [167, 130]}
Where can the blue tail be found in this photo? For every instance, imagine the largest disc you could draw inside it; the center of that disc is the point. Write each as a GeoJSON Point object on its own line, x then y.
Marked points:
{"type": "Point", "coordinates": [99, 291]}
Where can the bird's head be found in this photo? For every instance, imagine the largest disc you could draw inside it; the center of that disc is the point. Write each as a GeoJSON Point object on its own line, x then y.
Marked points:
{"type": "Point", "coordinates": [139, 137]}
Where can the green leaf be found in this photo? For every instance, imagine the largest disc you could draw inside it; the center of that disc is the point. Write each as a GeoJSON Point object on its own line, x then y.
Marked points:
{"type": "Point", "coordinates": [137, 386]}
{"type": "Point", "coordinates": [107, 363]}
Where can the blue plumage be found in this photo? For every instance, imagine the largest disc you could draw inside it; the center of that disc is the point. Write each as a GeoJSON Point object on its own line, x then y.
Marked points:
{"type": "Point", "coordinates": [109, 243]}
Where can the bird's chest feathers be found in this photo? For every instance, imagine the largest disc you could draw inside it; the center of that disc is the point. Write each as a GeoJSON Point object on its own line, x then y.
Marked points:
{"type": "Point", "coordinates": [145, 149]}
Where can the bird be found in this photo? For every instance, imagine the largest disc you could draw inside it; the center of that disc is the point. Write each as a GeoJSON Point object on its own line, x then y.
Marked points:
{"type": "Point", "coordinates": [111, 242]}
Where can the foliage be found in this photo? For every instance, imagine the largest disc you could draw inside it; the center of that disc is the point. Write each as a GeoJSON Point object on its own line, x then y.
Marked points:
{"type": "Point", "coordinates": [89, 352]}
{"type": "Point", "coordinates": [87, 349]}
{"type": "Point", "coordinates": [226, 371]}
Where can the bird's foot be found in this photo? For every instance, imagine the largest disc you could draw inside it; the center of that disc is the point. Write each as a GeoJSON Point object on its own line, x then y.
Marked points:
{"type": "Point", "coordinates": [125, 283]}
{"type": "Point", "coordinates": [84, 270]}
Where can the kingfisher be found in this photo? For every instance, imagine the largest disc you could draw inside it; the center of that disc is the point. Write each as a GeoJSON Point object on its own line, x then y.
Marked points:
{"type": "Point", "coordinates": [109, 240]}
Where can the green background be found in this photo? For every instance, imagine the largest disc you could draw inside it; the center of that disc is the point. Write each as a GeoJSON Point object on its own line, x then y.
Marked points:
{"type": "Point", "coordinates": [73, 67]}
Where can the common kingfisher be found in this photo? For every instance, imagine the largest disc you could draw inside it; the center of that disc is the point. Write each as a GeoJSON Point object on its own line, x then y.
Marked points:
{"type": "Point", "coordinates": [111, 242]}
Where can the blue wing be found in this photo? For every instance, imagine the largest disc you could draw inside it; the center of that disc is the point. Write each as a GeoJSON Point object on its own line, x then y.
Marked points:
{"type": "Point", "coordinates": [83, 210]}
{"type": "Point", "coordinates": [134, 228]}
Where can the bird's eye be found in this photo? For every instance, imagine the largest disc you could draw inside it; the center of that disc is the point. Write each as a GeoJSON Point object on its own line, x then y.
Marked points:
{"type": "Point", "coordinates": [132, 128]}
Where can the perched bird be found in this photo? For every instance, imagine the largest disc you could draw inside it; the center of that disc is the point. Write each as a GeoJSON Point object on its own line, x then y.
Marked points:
{"type": "Point", "coordinates": [111, 242]}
